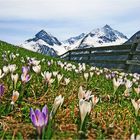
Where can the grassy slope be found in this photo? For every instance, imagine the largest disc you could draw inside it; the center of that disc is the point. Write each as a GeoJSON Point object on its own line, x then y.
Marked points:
{"type": "Point", "coordinates": [109, 119]}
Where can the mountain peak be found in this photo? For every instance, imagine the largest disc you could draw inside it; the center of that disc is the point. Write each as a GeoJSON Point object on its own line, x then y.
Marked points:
{"type": "Point", "coordinates": [107, 27]}
{"type": "Point", "coordinates": [42, 33]}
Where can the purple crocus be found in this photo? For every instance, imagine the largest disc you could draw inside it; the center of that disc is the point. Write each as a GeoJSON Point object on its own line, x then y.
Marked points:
{"type": "Point", "coordinates": [39, 118]}
{"type": "Point", "coordinates": [25, 70]}
{"type": "Point", "coordinates": [1, 90]}
{"type": "Point", "coordinates": [25, 77]}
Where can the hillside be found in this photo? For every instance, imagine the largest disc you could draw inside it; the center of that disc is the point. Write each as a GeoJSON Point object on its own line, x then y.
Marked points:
{"type": "Point", "coordinates": [82, 102]}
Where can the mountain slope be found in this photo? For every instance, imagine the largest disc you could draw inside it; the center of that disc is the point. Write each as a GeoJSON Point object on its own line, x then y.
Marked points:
{"type": "Point", "coordinates": [44, 43]}
{"type": "Point", "coordinates": [103, 37]}
{"type": "Point", "coordinates": [131, 39]}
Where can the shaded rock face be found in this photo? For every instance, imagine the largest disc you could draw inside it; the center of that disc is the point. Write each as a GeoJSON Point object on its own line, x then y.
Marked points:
{"type": "Point", "coordinates": [49, 39]}
{"type": "Point", "coordinates": [131, 39]}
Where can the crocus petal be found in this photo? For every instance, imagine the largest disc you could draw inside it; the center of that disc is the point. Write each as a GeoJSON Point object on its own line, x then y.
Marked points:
{"type": "Point", "coordinates": [33, 117]}
{"type": "Point", "coordinates": [45, 110]}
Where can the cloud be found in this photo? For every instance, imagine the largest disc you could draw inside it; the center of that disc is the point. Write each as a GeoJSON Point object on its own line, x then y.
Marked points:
{"type": "Point", "coordinates": [65, 18]}
{"type": "Point", "coordinates": [48, 9]}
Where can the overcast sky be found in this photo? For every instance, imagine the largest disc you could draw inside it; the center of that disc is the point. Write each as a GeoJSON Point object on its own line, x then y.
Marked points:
{"type": "Point", "coordinates": [22, 19]}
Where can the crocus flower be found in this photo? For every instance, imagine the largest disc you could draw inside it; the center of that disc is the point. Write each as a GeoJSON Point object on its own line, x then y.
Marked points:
{"type": "Point", "coordinates": [14, 78]}
{"type": "Point", "coordinates": [133, 137]}
{"type": "Point", "coordinates": [128, 84]}
{"type": "Point", "coordinates": [55, 73]}
{"type": "Point", "coordinates": [47, 76]}
{"type": "Point", "coordinates": [25, 70]}
{"type": "Point", "coordinates": [25, 77]}
{"type": "Point", "coordinates": [95, 100]}
{"type": "Point", "coordinates": [85, 95]}
{"type": "Point", "coordinates": [86, 76]}
{"type": "Point", "coordinates": [136, 105]}
{"type": "Point", "coordinates": [91, 74]}
{"type": "Point", "coordinates": [12, 68]}
{"type": "Point", "coordinates": [59, 77]}
{"type": "Point", "coordinates": [5, 69]}
{"type": "Point", "coordinates": [14, 97]}
{"type": "Point", "coordinates": [137, 90]}
{"type": "Point", "coordinates": [57, 103]}
{"type": "Point", "coordinates": [66, 80]}
{"type": "Point", "coordinates": [117, 83]}
{"type": "Point", "coordinates": [39, 118]}
{"type": "Point", "coordinates": [37, 69]}
{"type": "Point", "coordinates": [85, 108]}
{"type": "Point", "coordinates": [1, 90]}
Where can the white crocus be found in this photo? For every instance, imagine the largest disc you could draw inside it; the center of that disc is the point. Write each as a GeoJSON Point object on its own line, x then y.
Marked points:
{"type": "Point", "coordinates": [5, 69]}
{"type": "Point", "coordinates": [14, 97]}
{"type": "Point", "coordinates": [128, 84]}
{"type": "Point", "coordinates": [14, 78]}
{"type": "Point", "coordinates": [136, 105]}
{"type": "Point", "coordinates": [59, 77]}
{"type": "Point", "coordinates": [81, 93]}
{"type": "Point", "coordinates": [135, 138]}
{"type": "Point", "coordinates": [66, 80]}
{"type": "Point", "coordinates": [137, 90]}
{"type": "Point", "coordinates": [12, 68]}
{"type": "Point", "coordinates": [85, 95]}
{"type": "Point", "coordinates": [37, 69]}
{"type": "Point", "coordinates": [47, 76]}
{"type": "Point", "coordinates": [91, 74]}
{"type": "Point", "coordinates": [55, 73]}
{"type": "Point", "coordinates": [57, 103]}
{"type": "Point", "coordinates": [117, 83]}
{"type": "Point", "coordinates": [95, 100]}
{"type": "Point", "coordinates": [85, 108]}
{"type": "Point", "coordinates": [86, 76]}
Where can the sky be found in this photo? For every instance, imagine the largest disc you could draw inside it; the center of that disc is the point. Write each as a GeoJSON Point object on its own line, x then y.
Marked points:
{"type": "Point", "coordinates": [22, 19]}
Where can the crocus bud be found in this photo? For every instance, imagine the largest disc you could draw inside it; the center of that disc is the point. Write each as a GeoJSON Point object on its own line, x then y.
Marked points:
{"type": "Point", "coordinates": [86, 75]}
{"type": "Point", "coordinates": [14, 78]}
{"type": "Point", "coordinates": [12, 68]}
{"type": "Point", "coordinates": [66, 80]}
{"type": "Point", "coordinates": [59, 77]}
{"type": "Point", "coordinates": [1, 90]}
{"type": "Point", "coordinates": [57, 103]}
{"type": "Point", "coordinates": [95, 100]}
{"type": "Point", "coordinates": [117, 83]}
{"type": "Point", "coordinates": [37, 69]}
{"type": "Point", "coordinates": [136, 105]}
{"type": "Point", "coordinates": [5, 69]}
{"type": "Point", "coordinates": [85, 108]}
{"type": "Point", "coordinates": [14, 97]}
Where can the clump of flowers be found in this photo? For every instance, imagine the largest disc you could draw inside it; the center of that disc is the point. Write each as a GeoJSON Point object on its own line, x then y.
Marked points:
{"type": "Point", "coordinates": [42, 119]}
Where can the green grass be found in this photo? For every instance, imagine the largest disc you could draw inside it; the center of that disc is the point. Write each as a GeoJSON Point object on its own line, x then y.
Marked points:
{"type": "Point", "coordinates": [111, 118]}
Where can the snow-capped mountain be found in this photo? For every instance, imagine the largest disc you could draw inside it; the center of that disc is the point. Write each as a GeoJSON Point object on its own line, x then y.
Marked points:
{"type": "Point", "coordinates": [73, 40]}
{"type": "Point", "coordinates": [104, 36]}
{"type": "Point", "coordinates": [44, 43]}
